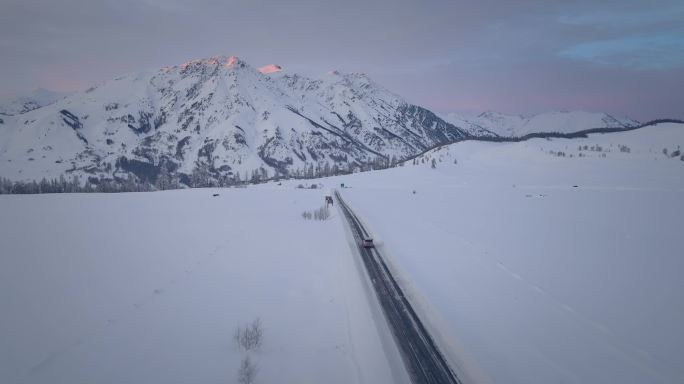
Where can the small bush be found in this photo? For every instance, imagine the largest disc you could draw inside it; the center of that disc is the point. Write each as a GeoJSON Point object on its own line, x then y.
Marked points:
{"type": "Point", "coordinates": [320, 214]}
{"type": "Point", "coordinates": [250, 337]}
{"type": "Point", "coordinates": [247, 372]}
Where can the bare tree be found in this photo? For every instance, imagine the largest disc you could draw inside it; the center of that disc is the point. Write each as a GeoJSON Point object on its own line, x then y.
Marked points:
{"type": "Point", "coordinates": [247, 372]}
{"type": "Point", "coordinates": [250, 337]}
{"type": "Point", "coordinates": [320, 214]}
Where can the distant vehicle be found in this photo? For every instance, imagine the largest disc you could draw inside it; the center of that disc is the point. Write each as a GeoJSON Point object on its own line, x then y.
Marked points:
{"type": "Point", "coordinates": [367, 243]}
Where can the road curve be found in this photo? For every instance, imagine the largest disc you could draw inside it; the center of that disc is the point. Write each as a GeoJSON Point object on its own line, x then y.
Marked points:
{"type": "Point", "coordinates": [423, 360]}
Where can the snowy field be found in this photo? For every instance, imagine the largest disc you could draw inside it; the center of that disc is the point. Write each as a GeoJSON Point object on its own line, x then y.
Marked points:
{"type": "Point", "coordinates": [529, 267]}
{"type": "Point", "coordinates": [529, 279]}
{"type": "Point", "coordinates": [150, 288]}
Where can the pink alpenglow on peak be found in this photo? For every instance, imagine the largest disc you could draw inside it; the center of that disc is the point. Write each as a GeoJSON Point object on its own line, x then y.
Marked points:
{"type": "Point", "coordinates": [271, 68]}
{"type": "Point", "coordinates": [231, 61]}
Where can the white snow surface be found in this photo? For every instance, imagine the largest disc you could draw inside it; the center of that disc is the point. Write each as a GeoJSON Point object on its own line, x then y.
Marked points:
{"type": "Point", "coordinates": [558, 122]}
{"type": "Point", "coordinates": [521, 276]}
{"type": "Point", "coordinates": [525, 278]}
{"type": "Point", "coordinates": [535, 280]}
{"type": "Point", "coordinates": [150, 287]}
{"type": "Point", "coordinates": [36, 99]}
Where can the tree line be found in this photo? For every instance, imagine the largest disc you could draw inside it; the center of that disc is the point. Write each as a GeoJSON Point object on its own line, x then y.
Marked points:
{"type": "Point", "coordinates": [202, 176]}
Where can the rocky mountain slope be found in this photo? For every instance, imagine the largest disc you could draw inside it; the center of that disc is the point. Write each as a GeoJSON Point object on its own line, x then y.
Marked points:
{"type": "Point", "coordinates": [221, 118]}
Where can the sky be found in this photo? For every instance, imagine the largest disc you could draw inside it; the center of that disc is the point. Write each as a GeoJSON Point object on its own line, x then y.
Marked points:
{"type": "Point", "coordinates": [623, 57]}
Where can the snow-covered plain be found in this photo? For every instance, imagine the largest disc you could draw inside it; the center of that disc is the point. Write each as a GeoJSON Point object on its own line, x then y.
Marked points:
{"type": "Point", "coordinates": [522, 277]}
{"type": "Point", "coordinates": [150, 287]}
{"type": "Point", "coordinates": [530, 278]}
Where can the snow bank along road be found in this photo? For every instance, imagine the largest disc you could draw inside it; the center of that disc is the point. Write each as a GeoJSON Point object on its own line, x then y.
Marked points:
{"type": "Point", "coordinates": [423, 360]}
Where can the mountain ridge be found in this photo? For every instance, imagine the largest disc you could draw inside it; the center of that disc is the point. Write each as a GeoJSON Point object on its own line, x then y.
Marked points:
{"type": "Point", "coordinates": [219, 120]}
{"type": "Point", "coordinates": [566, 122]}
{"type": "Point", "coordinates": [223, 115]}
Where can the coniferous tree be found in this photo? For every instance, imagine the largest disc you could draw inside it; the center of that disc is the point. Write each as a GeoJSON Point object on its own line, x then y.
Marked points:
{"type": "Point", "coordinates": [163, 179]}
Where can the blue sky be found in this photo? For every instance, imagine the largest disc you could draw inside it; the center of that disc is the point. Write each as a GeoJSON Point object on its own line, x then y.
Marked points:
{"type": "Point", "coordinates": [646, 52]}
{"type": "Point", "coordinates": [527, 56]}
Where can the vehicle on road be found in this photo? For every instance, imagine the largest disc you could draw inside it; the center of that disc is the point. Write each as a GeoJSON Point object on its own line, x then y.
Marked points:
{"type": "Point", "coordinates": [367, 242]}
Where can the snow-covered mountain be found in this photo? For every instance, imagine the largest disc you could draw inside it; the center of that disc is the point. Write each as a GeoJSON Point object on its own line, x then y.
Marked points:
{"type": "Point", "coordinates": [228, 120]}
{"type": "Point", "coordinates": [25, 103]}
{"type": "Point", "coordinates": [561, 122]}
{"type": "Point", "coordinates": [222, 116]}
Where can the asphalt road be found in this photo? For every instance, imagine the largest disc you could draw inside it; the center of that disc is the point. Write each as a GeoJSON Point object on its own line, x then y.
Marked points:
{"type": "Point", "coordinates": [423, 360]}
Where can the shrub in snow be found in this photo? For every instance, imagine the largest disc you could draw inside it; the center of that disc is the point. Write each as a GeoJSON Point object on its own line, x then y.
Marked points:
{"type": "Point", "coordinates": [250, 337]}
{"type": "Point", "coordinates": [323, 213]}
{"type": "Point", "coordinates": [320, 214]}
{"type": "Point", "coordinates": [247, 372]}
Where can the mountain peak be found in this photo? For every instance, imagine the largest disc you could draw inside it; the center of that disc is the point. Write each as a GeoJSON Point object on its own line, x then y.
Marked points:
{"type": "Point", "coordinates": [270, 68]}
{"type": "Point", "coordinates": [213, 61]}
{"type": "Point", "coordinates": [231, 61]}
